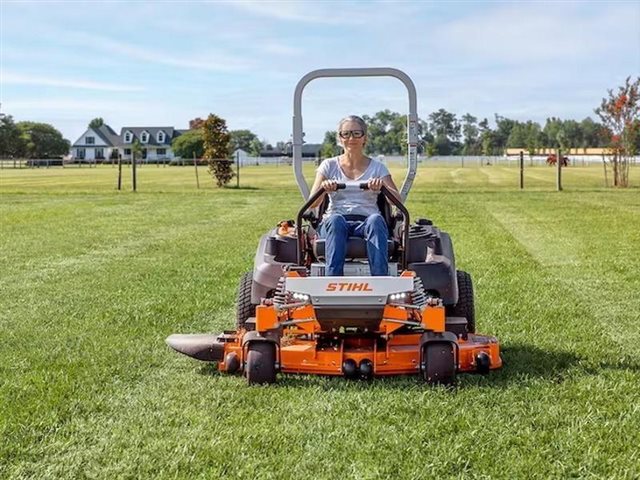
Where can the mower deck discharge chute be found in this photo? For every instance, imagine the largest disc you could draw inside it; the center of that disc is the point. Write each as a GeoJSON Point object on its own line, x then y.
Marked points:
{"type": "Point", "coordinates": [291, 318]}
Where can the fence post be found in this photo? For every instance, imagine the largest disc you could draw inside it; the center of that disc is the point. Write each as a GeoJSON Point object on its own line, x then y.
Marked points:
{"type": "Point", "coordinates": [133, 170]}
{"type": "Point", "coordinates": [238, 169]}
{"type": "Point", "coordinates": [195, 165]}
{"type": "Point", "coordinates": [521, 170]}
{"type": "Point", "coordinates": [559, 170]}
{"type": "Point", "coordinates": [119, 172]}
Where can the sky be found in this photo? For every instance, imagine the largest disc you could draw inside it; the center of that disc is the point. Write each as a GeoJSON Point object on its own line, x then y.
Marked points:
{"type": "Point", "coordinates": [162, 63]}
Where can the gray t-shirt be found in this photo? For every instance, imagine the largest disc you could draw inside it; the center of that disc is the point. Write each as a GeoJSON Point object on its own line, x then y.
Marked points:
{"type": "Point", "coordinates": [352, 201]}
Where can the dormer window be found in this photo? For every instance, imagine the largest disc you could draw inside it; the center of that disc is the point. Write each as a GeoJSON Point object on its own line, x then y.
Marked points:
{"type": "Point", "coordinates": [127, 137]}
{"type": "Point", "coordinates": [161, 137]}
{"type": "Point", "coordinates": [144, 137]}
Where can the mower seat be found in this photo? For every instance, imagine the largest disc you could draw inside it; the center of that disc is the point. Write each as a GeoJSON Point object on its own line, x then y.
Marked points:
{"type": "Point", "coordinates": [356, 248]}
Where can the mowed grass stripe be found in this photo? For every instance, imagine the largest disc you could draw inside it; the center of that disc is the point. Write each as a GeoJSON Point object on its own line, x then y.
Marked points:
{"type": "Point", "coordinates": [90, 390]}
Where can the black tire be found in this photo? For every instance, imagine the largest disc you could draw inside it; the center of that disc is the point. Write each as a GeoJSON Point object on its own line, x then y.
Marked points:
{"type": "Point", "coordinates": [465, 307]}
{"type": "Point", "coordinates": [244, 308]}
{"type": "Point", "coordinates": [440, 363]}
{"type": "Point", "coordinates": [261, 363]}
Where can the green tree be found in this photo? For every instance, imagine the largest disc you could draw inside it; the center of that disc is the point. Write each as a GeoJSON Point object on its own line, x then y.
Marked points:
{"type": "Point", "coordinates": [386, 133]}
{"type": "Point", "coordinates": [255, 147]}
{"type": "Point", "coordinates": [42, 140]}
{"type": "Point", "coordinates": [488, 142]}
{"type": "Point", "coordinates": [189, 144]}
{"type": "Point", "coordinates": [573, 133]}
{"type": "Point", "coordinates": [593, 133]}
{"type": "Point", "coordinates": [136, 149]}
{"type": "Point", "coordinates": [424, 136]}
{"type": "Point", "coordinates": [503, 130]}
{"type": "Point", "coordinates": [551, 129]}
{"type": "Point", "coordinates": [446, 130]}
{"type": "Point", "coordinates": [241, 139]}
{"type": "Point", "coordinates": [330, 146]}
{"type": "Point", "coordinates": [216, 149]}
{"type": "Point", "coordinates": [533, 137]}
{"type": "Point", "coordinates": [96, 122]}
{"type": "Point", "coordinates": [518, 136]}
{"type": "Point", "coordinates": [470, 135]}
{"type": "Point", "coordinates": [11, 142]}
{"type": "Point", "coordinates": [430, 149]}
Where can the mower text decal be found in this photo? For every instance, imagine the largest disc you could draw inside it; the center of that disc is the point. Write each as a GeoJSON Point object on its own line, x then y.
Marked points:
{"type": "Point", "coordinates": [348, 287]}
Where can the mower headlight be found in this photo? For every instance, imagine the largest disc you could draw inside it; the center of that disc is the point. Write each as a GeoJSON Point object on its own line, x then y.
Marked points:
{"type": "Point", "coordinates": [401, 297]}
{"type": "Point", "coordinates": [300, 297]}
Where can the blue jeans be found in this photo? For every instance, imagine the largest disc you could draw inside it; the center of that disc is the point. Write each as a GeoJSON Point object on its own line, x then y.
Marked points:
{"type": "Point", "coordinates": [336, 229]}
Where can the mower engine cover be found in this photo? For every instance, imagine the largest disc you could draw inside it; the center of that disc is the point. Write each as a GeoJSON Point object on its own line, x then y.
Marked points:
{"type": "Point", "coordinates": [352, 291]}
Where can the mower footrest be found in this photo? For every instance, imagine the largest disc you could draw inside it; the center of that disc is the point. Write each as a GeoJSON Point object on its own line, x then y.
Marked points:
{"type": "Point", "coordinates": [207, 347]}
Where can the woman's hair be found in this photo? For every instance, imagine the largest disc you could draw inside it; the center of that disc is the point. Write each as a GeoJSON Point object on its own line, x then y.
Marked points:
{"type": "Point", "coordinates": [351, 118]}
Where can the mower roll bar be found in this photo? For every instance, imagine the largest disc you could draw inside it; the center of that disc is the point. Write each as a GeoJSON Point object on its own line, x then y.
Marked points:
{"type": "Point", "coordinates": [412, 120]}
{"type": "Point", "coordinates": [341, 186]}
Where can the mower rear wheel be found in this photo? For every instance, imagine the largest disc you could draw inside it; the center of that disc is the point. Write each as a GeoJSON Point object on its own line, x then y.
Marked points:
{"type": "Point", "coordinates": [465, 306]}
{"type": "Point", "coordinates": [440, 363]}
{"type": "Point", "coordinates": [244, 308]}
{"type": "Point", "coordinates": [261, 363]}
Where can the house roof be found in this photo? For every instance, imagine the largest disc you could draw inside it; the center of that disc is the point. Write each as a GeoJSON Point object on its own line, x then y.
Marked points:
{"type": "Point", "coordinates": [107, 134]}
{"type": "Point", "coordinates": [170, 133]}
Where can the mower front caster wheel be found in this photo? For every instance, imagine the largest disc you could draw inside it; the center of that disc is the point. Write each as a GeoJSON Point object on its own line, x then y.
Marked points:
{"type": "Point", "coordinates": [439, 363]}
{"type": "Point", "coordinates": [261, 363]}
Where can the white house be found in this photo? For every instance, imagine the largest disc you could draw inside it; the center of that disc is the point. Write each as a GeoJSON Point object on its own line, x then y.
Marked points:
{"type": "Point", "coordinates": [96, 144]}
{"type": "Point", "coordinates": [154, 141]}
{"type": "Point", "coordinates": [103, 143]}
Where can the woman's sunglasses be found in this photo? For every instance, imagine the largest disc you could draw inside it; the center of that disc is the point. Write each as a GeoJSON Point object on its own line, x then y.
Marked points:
{"type": "Point", "coordinates": [344, 134]}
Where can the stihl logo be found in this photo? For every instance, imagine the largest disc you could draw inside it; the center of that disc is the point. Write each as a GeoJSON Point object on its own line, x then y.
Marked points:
{"type": "Point", "coordinates": [348, 287]}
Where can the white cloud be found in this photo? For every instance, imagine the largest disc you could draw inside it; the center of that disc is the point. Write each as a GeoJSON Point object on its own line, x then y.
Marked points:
{"type": "Point", "coordinates": [48, 81]}
{"type": "Point", "coordinates": [210, 60]}
{"type": "Point", "coordinates": [276, 48]}
{"type": "Point", "coordinates": [305, 12]}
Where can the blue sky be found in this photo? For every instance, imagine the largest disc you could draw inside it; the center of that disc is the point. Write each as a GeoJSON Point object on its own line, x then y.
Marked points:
{"type": "Point", "coordinates": [162, 63]}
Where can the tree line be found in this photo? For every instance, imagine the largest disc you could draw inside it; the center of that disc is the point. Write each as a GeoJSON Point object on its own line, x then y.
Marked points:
{"type": "Point", "coordinates": [443, 133]}
{"type": "Point", "coordinates": [30, 139]}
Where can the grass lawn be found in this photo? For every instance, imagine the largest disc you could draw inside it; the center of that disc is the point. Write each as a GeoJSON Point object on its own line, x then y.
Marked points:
{"type": "Point", "coordinates": [92, 281]}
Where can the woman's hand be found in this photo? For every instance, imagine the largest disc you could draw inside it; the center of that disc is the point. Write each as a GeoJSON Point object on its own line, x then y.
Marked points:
{"type": "Point", "coordinates": [329, 185]}
{"type": "Point", "coordinates": [375, 184]}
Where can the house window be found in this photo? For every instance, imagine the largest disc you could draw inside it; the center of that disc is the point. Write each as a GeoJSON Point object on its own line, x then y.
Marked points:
{"type": "Point", "coordinates": [90, 140]}
{"type": "Point", "coordinates": [144, 138]}
{"type": "Point", "coordinates": [80, 153]}
{"type": "Point", "coordinates": [127, 137]}
{"type": "Point", "coordinates": [127, 151]}
{"type": "Point", "coordinates": [160, 137]}
{"type": "Point", "coordinates": [161, 151]}
{"type": "Point", "coordinates": [99, 153]}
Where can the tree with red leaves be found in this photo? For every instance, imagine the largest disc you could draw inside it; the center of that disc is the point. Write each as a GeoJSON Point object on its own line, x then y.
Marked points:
{"type": "Point", "coordinates": [620, 115]}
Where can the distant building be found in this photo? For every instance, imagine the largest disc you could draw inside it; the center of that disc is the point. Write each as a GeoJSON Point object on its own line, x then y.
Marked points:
{"type": "Point", "coordinates": [550, 151]}
{"type": "Point", "coordinates": [102, 143]}
{"type": "Point", "coordinates": [309, 150]}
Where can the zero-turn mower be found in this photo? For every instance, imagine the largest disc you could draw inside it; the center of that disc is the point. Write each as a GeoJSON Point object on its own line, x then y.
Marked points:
{"type": "Point", "coordinates": [291, 318]}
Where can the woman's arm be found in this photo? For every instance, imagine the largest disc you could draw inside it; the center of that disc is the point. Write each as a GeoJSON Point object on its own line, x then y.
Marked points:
{"type": "Point", "coordinates": [321, 181]}
{"type": "Point", "coordinates": [376, 183]}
